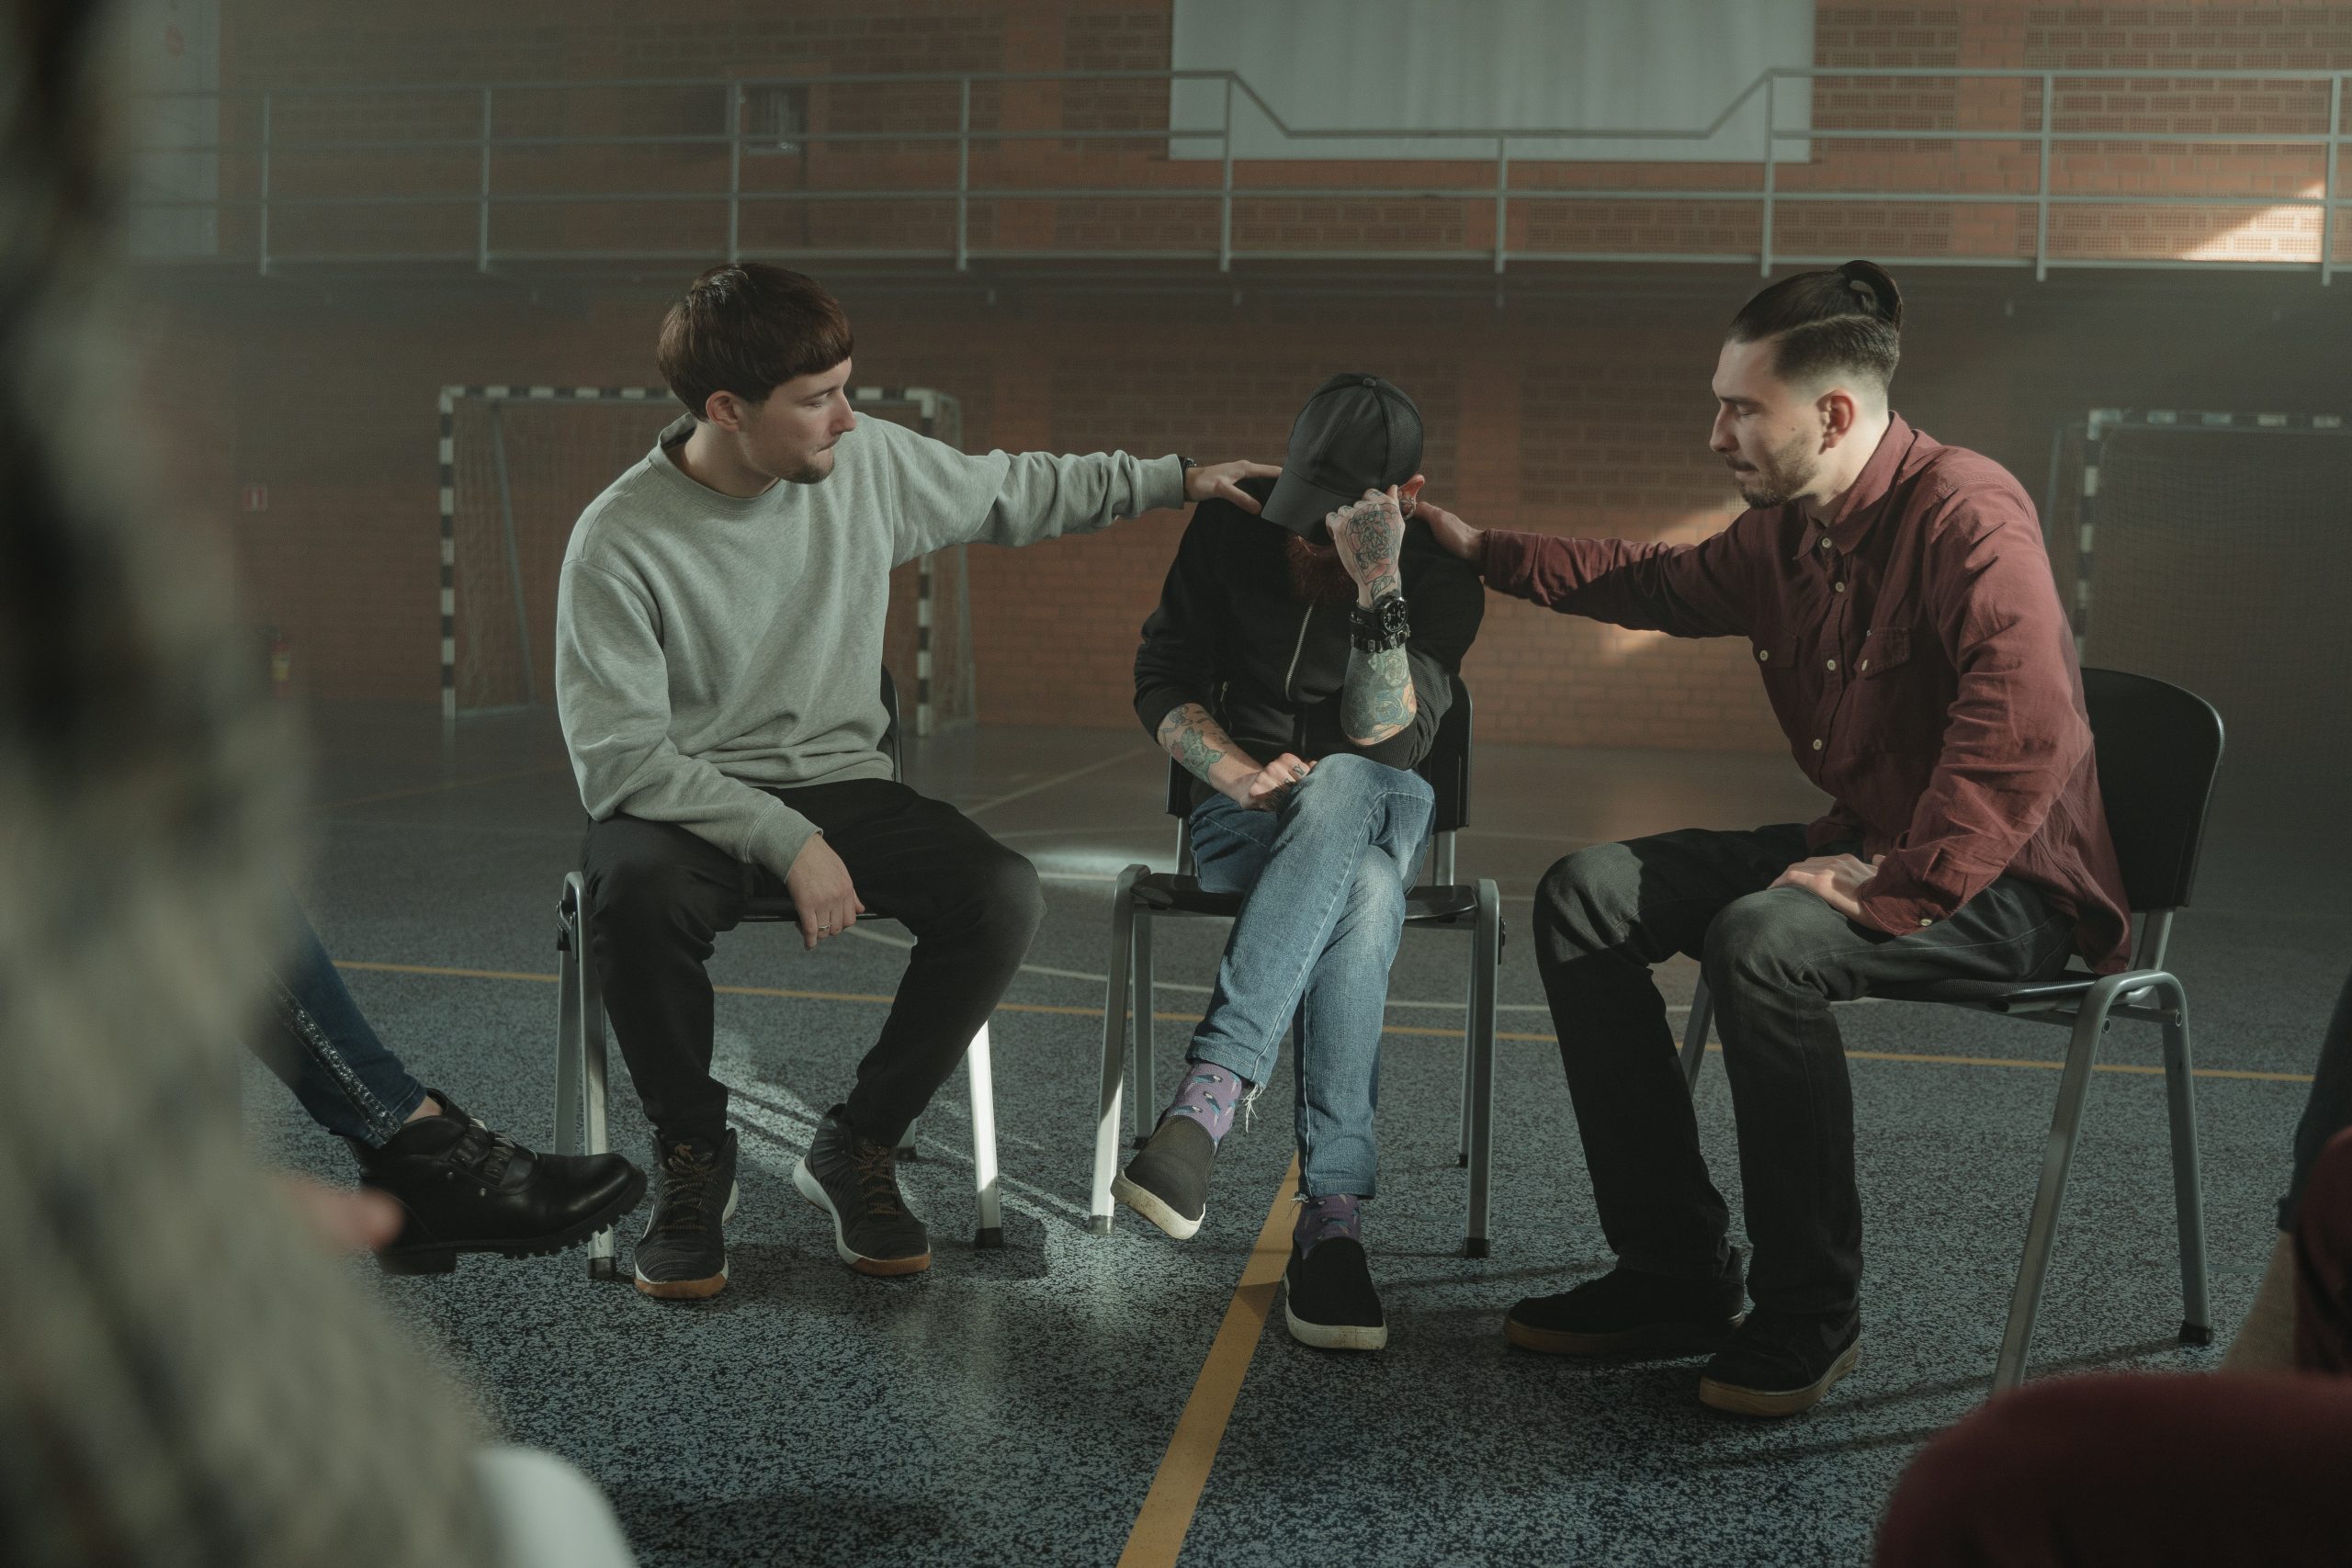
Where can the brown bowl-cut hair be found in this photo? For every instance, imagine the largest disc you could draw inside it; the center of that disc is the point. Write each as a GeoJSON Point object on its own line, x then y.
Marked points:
{"type": "Point", "coordinates": [1845, 320]}
{"type": "Point", "coordinates": [748, 328]}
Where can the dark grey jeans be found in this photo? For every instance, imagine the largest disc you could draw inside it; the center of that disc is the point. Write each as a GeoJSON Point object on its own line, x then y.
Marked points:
{"type": "Point", "coordinates": [1774, 961]}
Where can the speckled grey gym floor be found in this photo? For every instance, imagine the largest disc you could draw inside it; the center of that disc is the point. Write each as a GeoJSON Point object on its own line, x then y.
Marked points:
{"type": "Point", "coordinates": [1013, 1407]}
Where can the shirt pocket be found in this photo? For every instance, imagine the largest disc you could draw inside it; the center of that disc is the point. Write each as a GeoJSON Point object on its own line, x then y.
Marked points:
{"type": "Point", "coordinates": [1899, 703]}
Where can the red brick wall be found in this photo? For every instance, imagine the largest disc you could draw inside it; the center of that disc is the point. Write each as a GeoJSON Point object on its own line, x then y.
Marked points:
{"type": "Point", "coordinates": [1578, 407]}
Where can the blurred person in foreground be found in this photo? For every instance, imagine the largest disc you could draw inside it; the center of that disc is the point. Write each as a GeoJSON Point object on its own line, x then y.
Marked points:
{"type": "Point", "coordinates": [185, 1375]}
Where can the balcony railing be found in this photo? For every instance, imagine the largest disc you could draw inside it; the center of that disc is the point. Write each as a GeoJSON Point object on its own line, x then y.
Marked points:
{"type": "Point", "coordinates": [2046, 169]}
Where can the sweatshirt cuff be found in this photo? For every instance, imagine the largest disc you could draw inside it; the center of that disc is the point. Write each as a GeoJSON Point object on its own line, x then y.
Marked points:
{"type": "Point", "coordinates": [778, 834]}
{"type": "Point", "coordinates": [1163, 484]}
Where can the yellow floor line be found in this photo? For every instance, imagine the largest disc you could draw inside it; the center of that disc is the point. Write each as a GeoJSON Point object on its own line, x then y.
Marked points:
{"type": "Point", "coordinates": [876, 996]}
{"type": "Point", "coordinates": [1167, 1515]}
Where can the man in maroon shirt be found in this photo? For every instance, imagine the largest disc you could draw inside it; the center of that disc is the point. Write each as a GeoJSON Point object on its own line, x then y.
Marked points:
{"type": "Point", "coordinates": [1897, 600]}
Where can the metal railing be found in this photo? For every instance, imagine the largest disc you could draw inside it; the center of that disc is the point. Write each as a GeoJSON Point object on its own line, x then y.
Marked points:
{"type": "Point", "coordinates": [489, 139]}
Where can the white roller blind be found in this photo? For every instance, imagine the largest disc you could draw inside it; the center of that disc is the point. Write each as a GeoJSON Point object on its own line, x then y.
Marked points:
{"type": "Point", "coordinates": [1490, 65]}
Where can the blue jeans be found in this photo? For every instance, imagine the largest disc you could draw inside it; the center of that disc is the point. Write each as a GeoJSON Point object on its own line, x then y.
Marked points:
{"type": "Point", "coordinates": [1324, 880]}
{"type": "Point", "coordinates": [319, 1043]}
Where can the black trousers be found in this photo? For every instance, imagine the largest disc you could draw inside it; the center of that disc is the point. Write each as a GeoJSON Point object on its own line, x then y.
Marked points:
{"type": "Point", "coordinates": [659, 894]}
{"type": "Point", "coordinates": [1774, 961]}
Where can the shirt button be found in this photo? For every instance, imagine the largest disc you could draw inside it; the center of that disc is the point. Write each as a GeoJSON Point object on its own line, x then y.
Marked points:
{"type": "Point", "coordinates": [1816, 745]}
{"type": "Point", "coordinates": [1925, 921]}
{"type": "Point", "coordinates": [1833, 664]}
{"type": "Point", "coordinates": [1863, 665]}
{"type": "Point", "coordinates": [1840, 587]}
{"type": "Point", "coordinates": [1824, 541]}
{"type": "Point", "coordinates": [1763, 653]}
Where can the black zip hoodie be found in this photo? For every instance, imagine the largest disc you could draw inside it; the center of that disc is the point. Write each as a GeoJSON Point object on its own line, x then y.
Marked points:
{"type": "Point", "coordinates": [1231, 635]}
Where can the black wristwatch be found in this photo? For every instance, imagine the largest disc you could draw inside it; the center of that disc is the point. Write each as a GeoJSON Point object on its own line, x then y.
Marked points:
{"type": "Point", "coordinates": [1381, 628]}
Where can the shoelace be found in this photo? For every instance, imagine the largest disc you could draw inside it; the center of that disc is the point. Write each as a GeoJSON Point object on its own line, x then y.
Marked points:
{"type": "Point", "coordinates": [877, 1184]}
{"type": "Point", "coordinates": [685, 1190]}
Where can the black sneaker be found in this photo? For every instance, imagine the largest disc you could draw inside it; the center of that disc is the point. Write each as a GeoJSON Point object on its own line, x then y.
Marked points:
{"type": "Point", "coordinates": [855, 1180]}
{"type": "Point", "coordinates": [463, 1188]}
{"type": "Point", "coordinates": [1167, 1181]}
{"type": "Point", "coordinates": [1780, 1362]}
{"type": "Point", "coordinates": [1628, 1312]}
{"type": "Point", "coordinates": [683, 1254]}
{"type": "Point", "coordinates": [1330, 1302]}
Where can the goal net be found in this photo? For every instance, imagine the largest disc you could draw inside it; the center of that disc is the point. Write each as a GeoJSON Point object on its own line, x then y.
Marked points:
{"type": "Point", "coordinates": [518, 466]}
{"type": "Point", "coordinates": [2210, 550]}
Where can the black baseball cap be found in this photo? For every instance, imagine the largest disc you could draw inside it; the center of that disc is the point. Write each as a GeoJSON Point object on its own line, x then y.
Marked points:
{"type": "Point", "coordinates": [1357, 433]}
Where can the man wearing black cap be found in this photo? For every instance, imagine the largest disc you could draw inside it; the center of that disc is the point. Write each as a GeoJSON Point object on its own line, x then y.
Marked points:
{"type": "Point", "coordinates": [1298, 665]}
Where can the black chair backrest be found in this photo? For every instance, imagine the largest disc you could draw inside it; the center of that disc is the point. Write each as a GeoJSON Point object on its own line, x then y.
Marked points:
{"type": "Point", "coordinates": [2159, 747]}
{"type": "Point", "coordinates": [1447, 768]}
{"type": "Point", "coordinates": [890, 730]}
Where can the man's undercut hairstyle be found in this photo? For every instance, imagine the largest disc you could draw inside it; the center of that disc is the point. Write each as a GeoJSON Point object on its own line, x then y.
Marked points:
{"type": "Point", "coordinates": [748, 328]}
{"type": "Point", "coordinates": [1824, 325]}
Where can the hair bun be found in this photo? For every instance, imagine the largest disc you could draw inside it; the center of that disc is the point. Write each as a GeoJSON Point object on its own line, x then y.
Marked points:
{"type": "Point", "coordinates": [1873, 287]}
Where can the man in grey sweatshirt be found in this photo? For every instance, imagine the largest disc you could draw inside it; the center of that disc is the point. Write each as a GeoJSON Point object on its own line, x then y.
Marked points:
{"type": "Point", "coordinates": [718, 647]}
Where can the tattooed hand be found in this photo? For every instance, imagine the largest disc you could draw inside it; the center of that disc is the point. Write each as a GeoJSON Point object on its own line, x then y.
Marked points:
{"type": "Point", "coordinates": [1368, 534]}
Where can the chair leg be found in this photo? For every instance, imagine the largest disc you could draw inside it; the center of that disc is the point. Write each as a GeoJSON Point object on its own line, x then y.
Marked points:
{"type": "Point", "coordinates": [1469, 1058]}
{"type": "Point", "coordinates": [984, 1174]}
{"type": "Point", "coordinates": [1485, 957]}
{"type": "Point", "coordinates": [594, 1103]}
{"type": "Point", "coordinates": [906, 1149]}
{"type": "Point", "coordinates": [2187, 1188]}
{"type": "Point", "coordinates": [2057, 1158]}
{"type": "Point", "coordinates": [1694, 1036]}
{"type": "Point", "coordinates": [1147, 1077]}
{"type": "Point", "coordinates": [566, 1020]}
{"type": "Point", "coordinates": [1115, 1040]}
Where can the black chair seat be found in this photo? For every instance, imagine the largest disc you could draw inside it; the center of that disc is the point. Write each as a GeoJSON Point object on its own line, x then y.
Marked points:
{"type": "Point", "coordinates": [1167, 894]}
{"type": "Point", "coordinates": [2000, 996]}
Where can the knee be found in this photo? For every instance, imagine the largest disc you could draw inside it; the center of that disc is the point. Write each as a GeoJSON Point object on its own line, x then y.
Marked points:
{"type": "Point", "coordinates": [1748, 943]}
{"type": "Point", "coordinates": [1010, 901]}
{"type": "Point", "coordinates": [1579, 901]}
{"type": "Point", "coordinates": [1996, 1465]}
{"type": "Point", "coordinates": [633, 884]}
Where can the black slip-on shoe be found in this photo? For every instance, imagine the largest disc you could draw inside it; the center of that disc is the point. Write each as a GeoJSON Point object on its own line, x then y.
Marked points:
{"type": "Point", "coordinates": [1779, 1363]}
{"type": "Point", "coordinates": [465, 1188]}
{"type": "Point", "coordinates": [1167, 1181]}
{"type": "Point", "coordinates": [1627, 1312]}
{"type": "Point", "coordinates": [683, 1254]}
{"type": "Point", "coordinates": [855, 1180]}
{"type": "Point", "coordinates": [1327, 1299]}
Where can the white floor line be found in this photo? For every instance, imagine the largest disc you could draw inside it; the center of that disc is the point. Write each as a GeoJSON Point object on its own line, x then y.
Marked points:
{"type": "Point", "coordinates": [1026, 790]}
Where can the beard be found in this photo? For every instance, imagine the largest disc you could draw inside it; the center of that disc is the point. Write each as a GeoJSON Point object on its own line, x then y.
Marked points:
{"type": "Point", "coordinates": [809, 468]}
{"type": "Point", "coordinates": [1317, 574]}
{"type": "Point", "coordinates": [1780, 476]}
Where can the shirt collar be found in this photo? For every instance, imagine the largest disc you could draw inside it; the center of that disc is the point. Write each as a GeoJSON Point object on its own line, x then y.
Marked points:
{"type": "Point", "coordinates": [1864, 502]}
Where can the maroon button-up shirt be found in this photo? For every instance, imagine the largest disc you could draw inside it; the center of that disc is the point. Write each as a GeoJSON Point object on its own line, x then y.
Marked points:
{"type": "Point", "coordinates": [1918, 659]}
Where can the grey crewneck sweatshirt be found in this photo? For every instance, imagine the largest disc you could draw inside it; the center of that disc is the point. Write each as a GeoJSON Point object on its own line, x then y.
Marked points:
{"type": "Point", "coordinates": [708, 647]}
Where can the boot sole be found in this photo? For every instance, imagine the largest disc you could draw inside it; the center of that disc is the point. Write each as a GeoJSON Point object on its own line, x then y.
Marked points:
{"type": "Point", "coordinates": [442, 1258]}
{"type": "Point", "coordinates": [1660, 1339]}
{"type": "Point", "coordinates": [1151, 1207]}
{"type": "Point", "coordinates": [1777, 1402]}
{"type": "Point", "coordinates": [690, 1290]}
{"type": "Point", "coordinates": [1334, 1335]}
{"type": "Point", "coordinates": [806, 1181]}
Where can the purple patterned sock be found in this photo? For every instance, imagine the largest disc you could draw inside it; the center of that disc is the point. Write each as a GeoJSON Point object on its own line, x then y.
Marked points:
{"type": "Point", "coordinates": [1210, 1096]}
{"type": "Point", "coordinates": [1323, 1219]}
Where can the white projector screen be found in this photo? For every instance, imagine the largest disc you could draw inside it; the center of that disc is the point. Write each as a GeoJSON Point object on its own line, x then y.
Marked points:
{"type": "Point", "coordinates": [1492, 65]}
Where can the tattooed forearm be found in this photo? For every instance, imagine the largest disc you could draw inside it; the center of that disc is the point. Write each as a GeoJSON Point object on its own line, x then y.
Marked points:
{"type": "Point", "coordinates": [1192, 738]}
{"type": "Point", "coordinates": [1377, 700]}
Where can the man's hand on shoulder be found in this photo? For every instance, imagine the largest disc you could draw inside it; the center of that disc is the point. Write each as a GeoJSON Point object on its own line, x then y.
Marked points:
{"type": "Point", "coordinates": [824, 900]}
{"type": "Point", "coordinates": [1222, 481]}
{"type": "Point", "coordinates": [1452, 535]}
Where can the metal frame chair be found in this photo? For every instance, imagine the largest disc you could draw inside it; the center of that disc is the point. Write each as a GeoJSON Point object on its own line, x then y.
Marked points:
{"type": "Point", "coordinates": [1143, 895]}
{"type": "Point", "coordinates": [2159, 748]}
{"type": "Point", "coordinates": [580, 1074]}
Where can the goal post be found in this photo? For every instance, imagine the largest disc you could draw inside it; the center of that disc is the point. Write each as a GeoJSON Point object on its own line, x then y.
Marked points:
{"type": "Point", "coordinates": [518, 464]}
